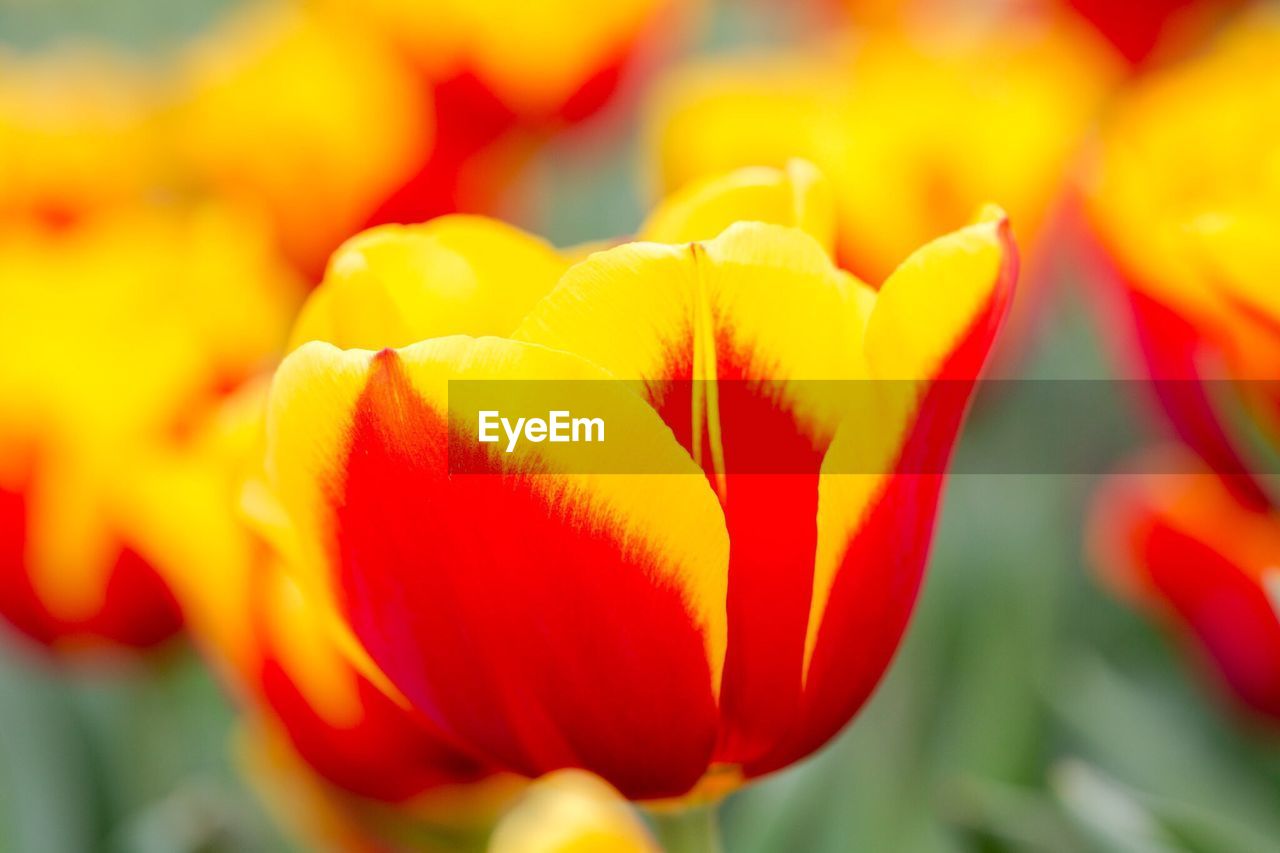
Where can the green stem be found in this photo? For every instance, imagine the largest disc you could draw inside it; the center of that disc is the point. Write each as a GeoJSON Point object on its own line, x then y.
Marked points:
{"type": "Point", "coordinates": [692, 830]}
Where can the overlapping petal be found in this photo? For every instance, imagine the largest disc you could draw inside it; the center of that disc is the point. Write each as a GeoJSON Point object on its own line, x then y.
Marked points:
{"type": "Point", "coordinates": [629, 568]}
{"type": "Point", "coordinates": [397, 284]}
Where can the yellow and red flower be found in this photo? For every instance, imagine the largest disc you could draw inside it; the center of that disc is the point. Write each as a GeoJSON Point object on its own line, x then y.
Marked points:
{"type": "Point", "coordinates": [662, 630]}
{"type": "Point", "coordinates": [310, 115]}
{"type": "Point", "coordinates": [1152, 32]}
{"type": "Point", "coordinates": [915, 127]}
{"type": "Point", "coordinates": [504, 77]}
{"type": "Point", "coordinates": [1144, 34]}
{"type": "Point", "coordinates": [117, 333]}
{"type": "Point", "coordinates": [1184, 547]}
{"type": "Point", "coordinates": [1185, 205]}
{"type": "Point", "coordinates": [330, 116]}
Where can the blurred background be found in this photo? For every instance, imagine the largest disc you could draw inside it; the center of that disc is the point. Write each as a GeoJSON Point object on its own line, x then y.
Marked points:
{"type": "Point", "coordinates": [1028, 708]}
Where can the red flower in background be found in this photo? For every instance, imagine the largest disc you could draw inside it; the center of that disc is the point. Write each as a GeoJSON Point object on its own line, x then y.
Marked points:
{"type": "Point", "coordinates": [118, 333]}
{"type": "Point", "coordinates": [1182, 546]}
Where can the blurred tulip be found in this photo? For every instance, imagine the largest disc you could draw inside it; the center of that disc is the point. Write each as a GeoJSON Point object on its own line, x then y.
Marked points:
{"type": "Point", "coordinates": [571, 812]}
{"type": "Point", "coordinates": [308, 114]}
{"type": "Point", "coordinates": [1155, 30]}
{"type": "Point", "coordinates": [77, 133]}
{"type": "Point", "coordinates": [538, 61]}
{"type": "Point", "coordinates": [505, 76]}
{"type": "Point", "coordinates": [330, 116]}
{"type": "Point", "coordinates": [1184, 547]}
{"type": "Point", "coordinates": [1186, 203]}
{"type": "Point", "coordinates": [117, 334]}
{"type": "Point", "coordinates": [1143, 33]}
{"type": "Point", "coordinates": [665, 632]}
{"type": "Point", "coordinates": [915, 129]}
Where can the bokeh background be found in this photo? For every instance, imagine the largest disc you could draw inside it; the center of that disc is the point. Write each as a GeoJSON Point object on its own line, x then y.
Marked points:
{"type": "Point", "coordinates": [1027, 709]}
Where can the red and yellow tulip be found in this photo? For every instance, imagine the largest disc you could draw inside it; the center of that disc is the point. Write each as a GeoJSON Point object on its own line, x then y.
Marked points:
{"type": "Point", "coordinates": [916, 128]}
{"type": "Point", "coordinates": [310, 115]}
{"type": "Point", "coordinates": [116, 335]}
{"type": "Point", "coordinates": [504, 77]}
{"type": "Point", "coordinates": [1144, 34]}
{"type": "Point", "coordinates": [1185, 204]}
{"type": "Point", "coordinates": [539, 62]}
{"type": "Point", "coordinates": [1184, 547]}
{"type": "Point", "coordinates": [330, 116]}
{"type": "Point", "coordinates": [666, 631]}
{"type": "Point", "coordinates": [1155, 30]}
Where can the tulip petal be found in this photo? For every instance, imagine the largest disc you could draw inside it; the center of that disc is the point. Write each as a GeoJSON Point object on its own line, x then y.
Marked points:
{"type": "Point", "coordinates": [883, 474]}
{"type": "Point", "coordinates": [527, 613]}
{"type": "Point", "coordinates": [398, 284]}
{"type": "Point", "coordinates": [1173, 347]}
{"type": "Point", "coordinates": [349, 731]}
{"type": "Point", "coordinates": [135, 608]}
{"type": "Point", "coordinates": [797, 195]}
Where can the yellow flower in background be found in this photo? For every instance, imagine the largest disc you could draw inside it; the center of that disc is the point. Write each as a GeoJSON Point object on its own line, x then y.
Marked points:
{"type": "Point", "coordinates": [309, 115]}
{"type": "Point", "coordinates": [117, 335]}
{"type": "Point", "coordinates": [78, 131]}
{"type": "Point", "coordinates": [915, 130]}
{"type": "Point", "coordinates": [1190, 165]}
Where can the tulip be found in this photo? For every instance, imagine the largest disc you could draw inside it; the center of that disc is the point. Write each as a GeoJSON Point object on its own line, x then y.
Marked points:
{"type": "Point", "coordinates": [504, 78]}
{"type": "Point", "coordinates": [1185, 203]}
{"type": "Point", "coordinates": [117, 334]}
{"type": "Point", "coordinates": [1185, 548]}
{"type": "Point", "coordinates": [338, 759]}
{"type": "Point", "coordinates": [534, 60]}
{"type": "Point", "coordinates": [311, 116]}
{"type": "Point", "coordinates": [915, 130]}
{"type": "Point", "coordinates": [1147, 33]}
{"type": "Point", "coordinates": [1144, 34]}
{"type": "Point", "coordinates": [670, 632]}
